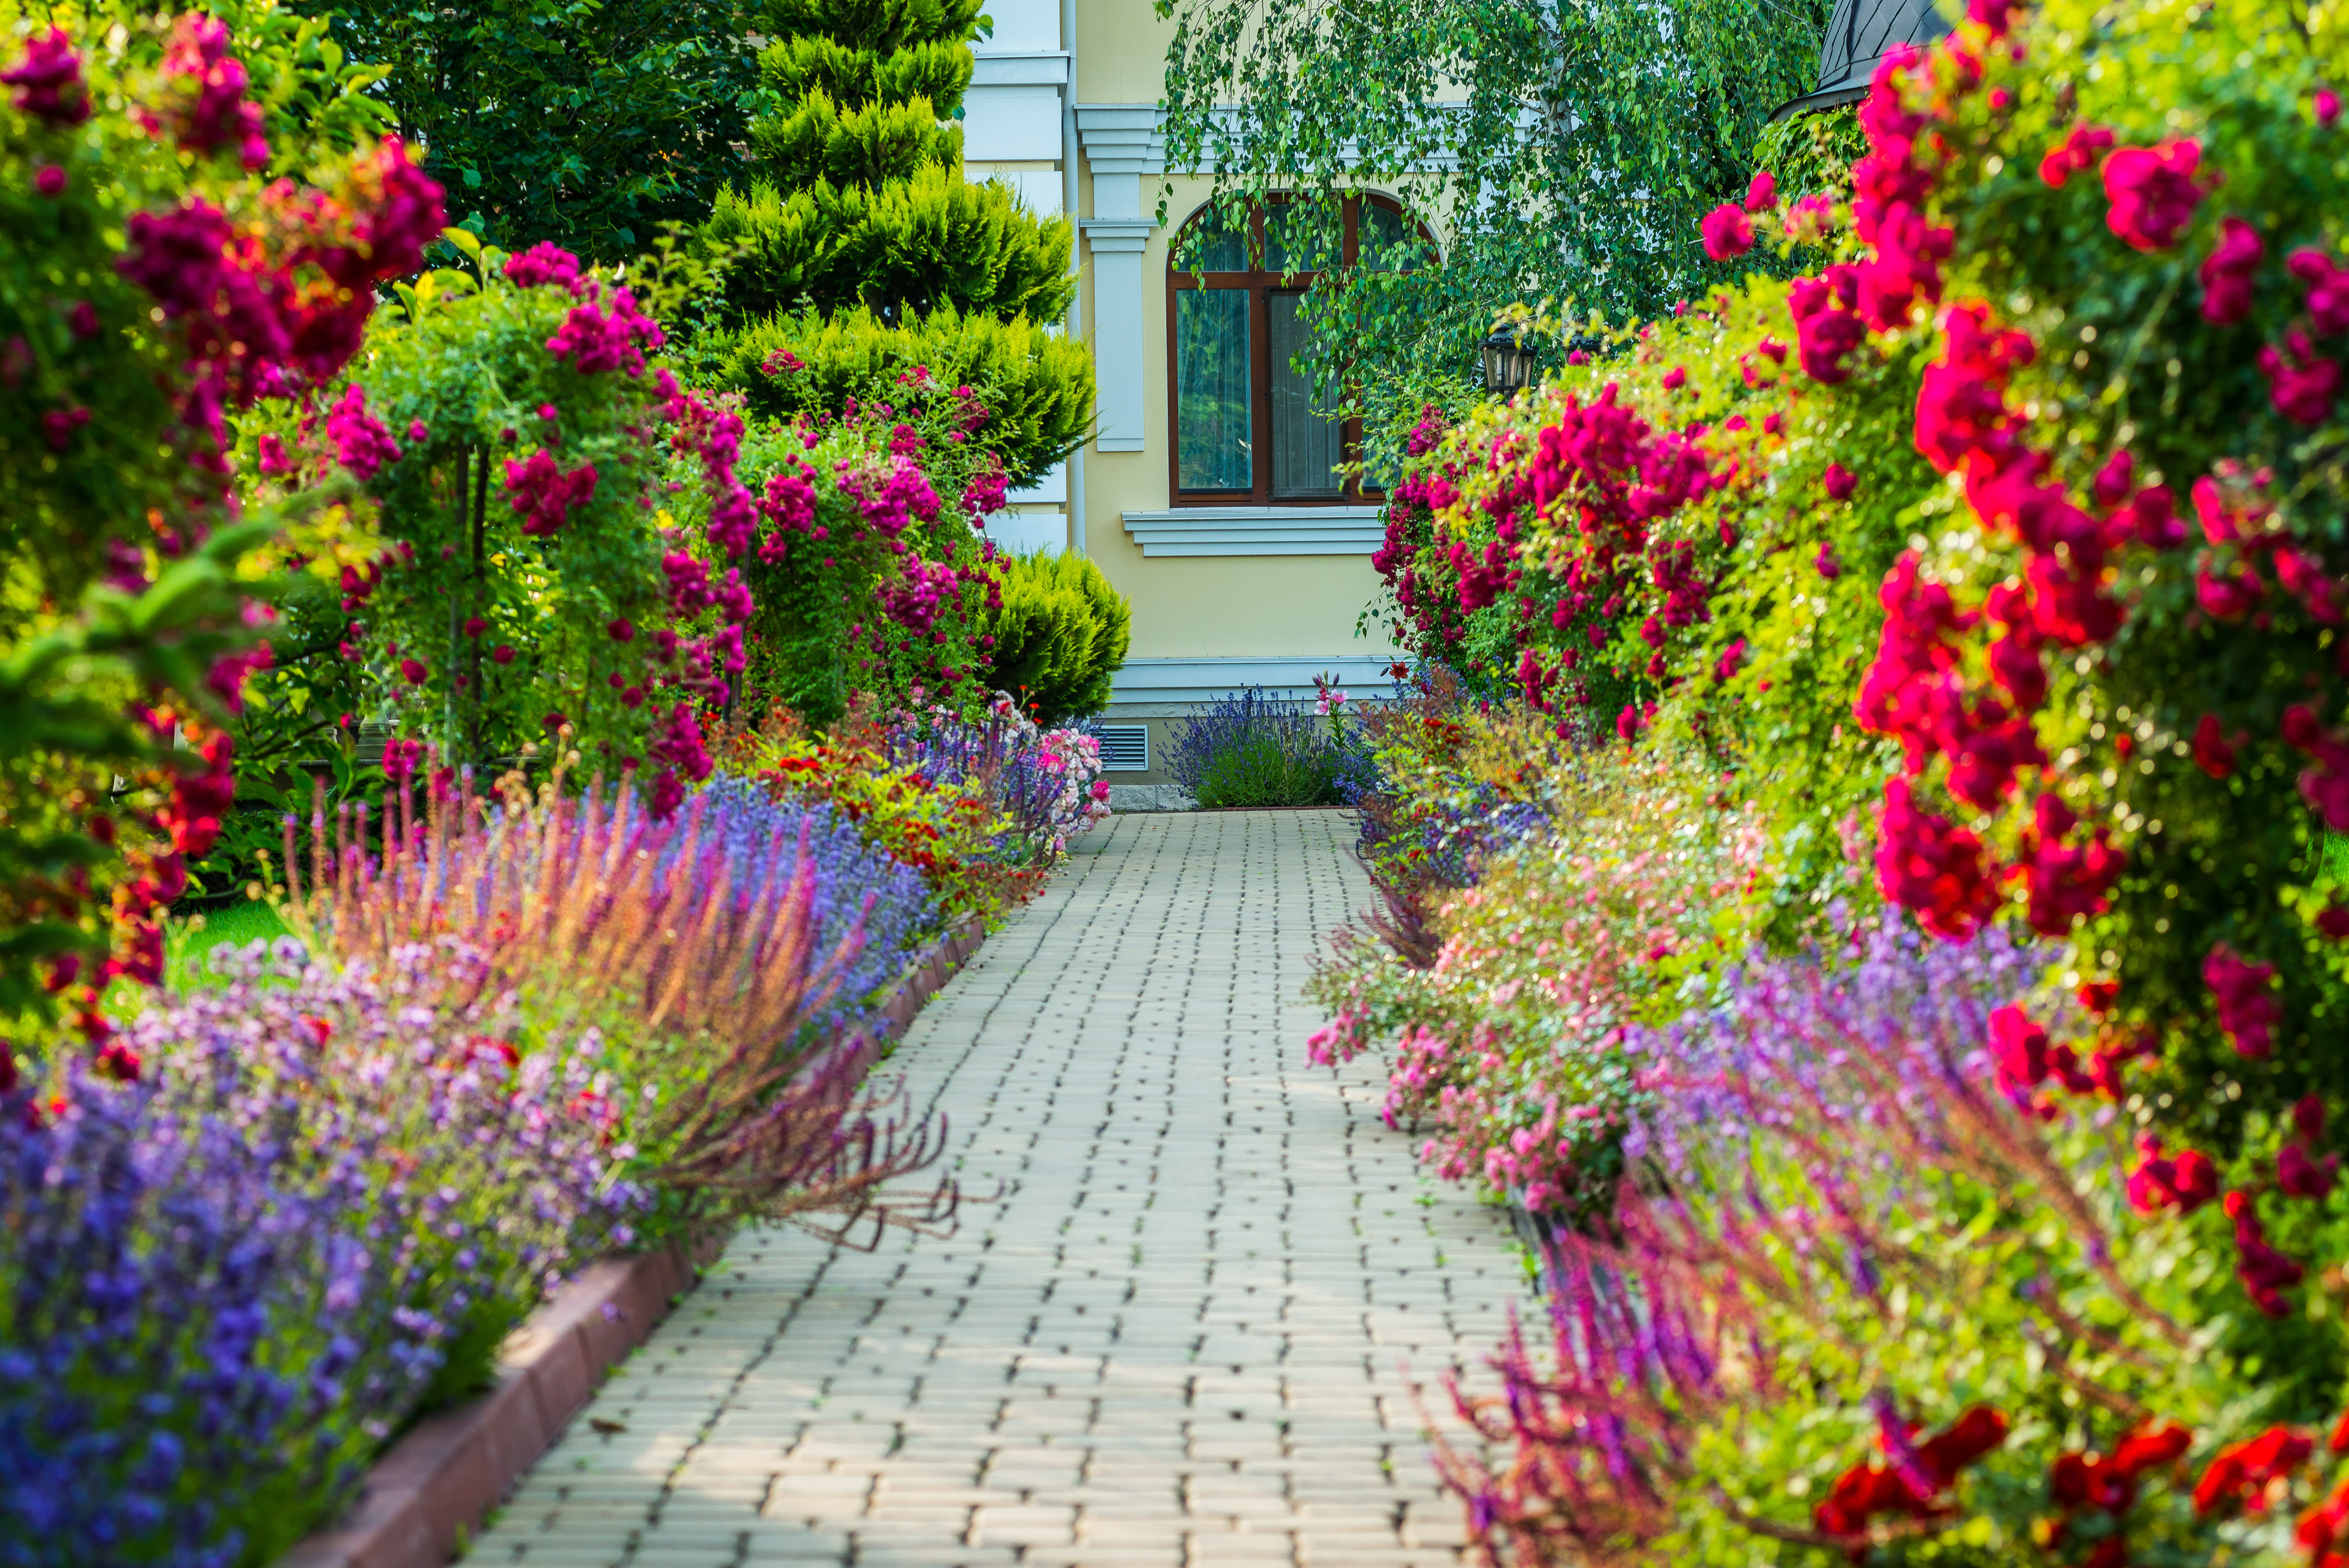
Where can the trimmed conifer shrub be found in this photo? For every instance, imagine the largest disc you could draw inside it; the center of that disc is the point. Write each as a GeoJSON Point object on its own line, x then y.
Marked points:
{"type": "Point", "coordinates": [856, 196]}
{"type": "Point", "coordinates": [1060, 633]}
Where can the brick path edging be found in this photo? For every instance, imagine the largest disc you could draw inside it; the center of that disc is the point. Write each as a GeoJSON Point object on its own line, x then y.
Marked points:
{"type": "Point", "coordinates": [434, 1486]}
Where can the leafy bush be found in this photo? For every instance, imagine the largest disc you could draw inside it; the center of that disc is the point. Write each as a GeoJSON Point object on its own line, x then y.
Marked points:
{"type": "Point", "coordinates": [870, 575]}
{"type": "Point", "coordinates": [508, 432]}
{"type": "Point", "coordinates": [1251, 750]}
{"type": "Point", "coordinates": [586, 126]}
{"type": "Point", "coordinates": [1036, 385]}
{"type": "Point", "coordinates": [1060, 634]}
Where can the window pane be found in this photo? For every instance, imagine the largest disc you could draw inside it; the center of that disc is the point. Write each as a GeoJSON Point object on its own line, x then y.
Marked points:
{"type": "Point", "coordinates": [1215, 244]}
{"type": "Point", "coordinates": [1307, 442]}
{"type": "Point", "coordinates": [1387, 244]}
{"type": "Point", "coordinates": [1214, 432]}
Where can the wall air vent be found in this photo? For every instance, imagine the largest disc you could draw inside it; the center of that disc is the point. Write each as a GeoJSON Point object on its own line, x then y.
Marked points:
{"type": "Point", "coordinates": [1124, 748]}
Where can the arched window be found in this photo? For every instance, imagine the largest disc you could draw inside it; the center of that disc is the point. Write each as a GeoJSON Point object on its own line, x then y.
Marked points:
{"type": "Point", "coordinates": [1246, 428]}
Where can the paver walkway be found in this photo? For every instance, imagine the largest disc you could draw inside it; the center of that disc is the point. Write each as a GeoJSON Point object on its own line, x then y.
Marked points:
{"type": "Point", "coordinates": [1176, 1339]}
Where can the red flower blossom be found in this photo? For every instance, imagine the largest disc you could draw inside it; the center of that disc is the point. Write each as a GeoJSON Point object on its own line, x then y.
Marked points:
{"type": "Point", "coordinates": [2301, 383]}
{"type": "Point", "coordinates": [2075, 154]}
{"type": "Point", "coordinates": [2264, 1272]}
{"type": "Point", "coordinates": [2213, 753]}
{"type": "Point", "coordinates": [1839, 481]}
{"type": "Point", "coordinates": [2228, 273]}
{"type": "Point", "coordinates": [48, 82]}
{"type": "Point", "coordinates": [2243, 1472]}
{"type": "Point", "coordinates": [2153, 193]}
{"type": "Point", "coordinates": [2328, 289]}
{"type": "Point", "coordinates": [1728, 233]}
{"type": "Point", "coordinates": [2248, 1010]}
{"type": "Point", "coordinates": [1826, 324]}
{"type": "Point", "coordinates": [2158, 1182]}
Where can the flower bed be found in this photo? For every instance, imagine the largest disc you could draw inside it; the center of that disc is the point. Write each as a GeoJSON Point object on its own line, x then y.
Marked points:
{"type": "Point", "coordinates": [1893, 930]}
{"type": "Point", "coordinates": [553, 992]}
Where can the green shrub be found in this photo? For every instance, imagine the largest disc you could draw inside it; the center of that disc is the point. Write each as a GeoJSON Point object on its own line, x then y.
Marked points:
{"type": "Point", "coordinates": [1261, 771]}
{"type": "Point", "coordinates": [857, 196]}
{"type": "Point", "coordinates": [1061, 634]}
{"type": "Point", "coordinates": [1036, 386]}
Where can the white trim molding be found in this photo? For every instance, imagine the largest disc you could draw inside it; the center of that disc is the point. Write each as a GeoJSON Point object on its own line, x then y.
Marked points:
{"type": "Point", "coordinates": [1260, 530]}
{"type": "Point", "coordinates": [1360, 675]}
{"type": "Point", "coordinates": [1039, 68]}
{"type": "Point", "coordinates": [1121, 138]}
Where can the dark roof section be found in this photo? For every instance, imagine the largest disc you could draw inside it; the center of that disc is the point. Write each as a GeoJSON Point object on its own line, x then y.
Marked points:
{"type": "Point", "coordinates": [1859, 34]}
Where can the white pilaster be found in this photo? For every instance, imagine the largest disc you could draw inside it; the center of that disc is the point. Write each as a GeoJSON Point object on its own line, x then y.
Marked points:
{"type": "Point", "coordinates": [1122, 144]}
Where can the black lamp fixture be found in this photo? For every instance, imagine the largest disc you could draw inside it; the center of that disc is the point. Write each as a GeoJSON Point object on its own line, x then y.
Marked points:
{"type": "Point", "coordinates": [1508, 362]}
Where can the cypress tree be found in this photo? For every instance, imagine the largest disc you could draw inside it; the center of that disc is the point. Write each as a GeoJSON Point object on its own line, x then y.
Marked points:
{"type": "Point", "coordinates": [856, 196]}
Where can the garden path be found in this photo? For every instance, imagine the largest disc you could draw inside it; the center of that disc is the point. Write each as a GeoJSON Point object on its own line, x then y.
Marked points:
{"type": "Point", "coordinates": [1176, 1338]}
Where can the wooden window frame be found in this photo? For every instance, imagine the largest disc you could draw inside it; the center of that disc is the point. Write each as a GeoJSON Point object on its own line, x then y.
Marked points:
{"type": "Point", "coordinates": [1261, 287]}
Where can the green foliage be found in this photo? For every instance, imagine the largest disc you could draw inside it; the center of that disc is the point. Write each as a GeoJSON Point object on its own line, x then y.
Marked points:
{"type": "Point", "coordinates": [588, 123]}
{"type": "Point", "coordinates": [1060, 634]}
{"type": "Point", "coordinates": [1553, 111]}
{"type": "Point", "coordinates": [1811, 154]}
{"type": "Point", "coordinates": [857, 196]}
{"type": "Point", "coordinates": [1037, 386]}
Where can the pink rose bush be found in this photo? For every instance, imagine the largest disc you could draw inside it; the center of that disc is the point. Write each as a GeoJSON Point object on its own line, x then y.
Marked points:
{"type": "Point", "coordinates": [2001, 593]}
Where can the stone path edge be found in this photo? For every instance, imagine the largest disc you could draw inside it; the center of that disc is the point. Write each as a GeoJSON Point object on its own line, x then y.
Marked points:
{"type": "Point", "coordinates": [432, 1488]}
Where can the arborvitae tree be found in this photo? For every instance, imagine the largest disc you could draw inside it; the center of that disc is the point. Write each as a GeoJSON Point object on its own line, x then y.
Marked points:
{"type": "Point", "coordinates": [857, 197]}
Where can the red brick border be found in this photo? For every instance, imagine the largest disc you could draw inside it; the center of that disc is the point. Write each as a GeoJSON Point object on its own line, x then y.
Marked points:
{"type": "Point", "coordinates": [436, 1484]}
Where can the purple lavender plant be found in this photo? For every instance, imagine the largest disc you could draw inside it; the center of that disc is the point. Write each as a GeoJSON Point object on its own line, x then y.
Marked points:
{"type": "Point", "coordinates": [1249, 749]}
{"type": "Point", "coordinates": [227, 1283]}
{"type": "Point", "coordinates": [1043, 781]}
{"type": "Point", "coordinates": [190, 1334]}
{"type": "Point", "coordinates": [754, 836]}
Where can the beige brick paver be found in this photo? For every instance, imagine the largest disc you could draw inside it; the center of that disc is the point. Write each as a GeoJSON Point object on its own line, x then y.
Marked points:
{"type": "Point", "coordinates": [1177, 1336]}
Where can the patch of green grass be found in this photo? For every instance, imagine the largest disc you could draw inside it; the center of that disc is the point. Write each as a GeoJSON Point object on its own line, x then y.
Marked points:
{"type": "Point", "coordinates": [186, 941]}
